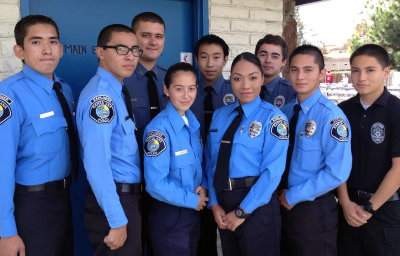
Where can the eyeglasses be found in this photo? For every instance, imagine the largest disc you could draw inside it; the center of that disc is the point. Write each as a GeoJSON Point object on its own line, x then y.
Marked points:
{"type": "Point", "coordinates": [124, 50]}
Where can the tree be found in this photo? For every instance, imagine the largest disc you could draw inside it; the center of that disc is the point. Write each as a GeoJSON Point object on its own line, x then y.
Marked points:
{"type": "Point", "coordinates": [383, 28]}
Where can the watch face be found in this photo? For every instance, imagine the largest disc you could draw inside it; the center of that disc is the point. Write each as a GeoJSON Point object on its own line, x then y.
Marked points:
{"type": "Point", "coordinates": [239, 213]}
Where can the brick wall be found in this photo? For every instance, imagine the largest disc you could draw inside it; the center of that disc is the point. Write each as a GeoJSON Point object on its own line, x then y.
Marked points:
{"type": "Point", "coordinates": [9, 15]}
{"type": "Point", "coordinates": [241, 23]}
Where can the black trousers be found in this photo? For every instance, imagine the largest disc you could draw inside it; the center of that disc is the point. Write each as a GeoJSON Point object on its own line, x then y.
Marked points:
{"type": "Point", "coordinates": [310, 228]}
{"type": "Point", "coordinates": [379, 237]}
{"type": "Point", "coordinates": [98, 227]}
{"type": "Point", "coordinates": [208, 234]}
{"type": "Point", "coordinates": [44, 222]}
{"type": "Point", "coordinates": [173, 230]}
{"type": "Point", "coordinates": [259, 234]}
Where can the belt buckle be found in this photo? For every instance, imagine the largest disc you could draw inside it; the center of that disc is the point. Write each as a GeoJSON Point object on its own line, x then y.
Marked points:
{"type": "Point", "coordinates": [230, 184]}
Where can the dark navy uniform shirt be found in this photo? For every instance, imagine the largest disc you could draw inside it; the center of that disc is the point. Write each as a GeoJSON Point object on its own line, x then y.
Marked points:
{"type": "Point", "coordinates": [222, 95]}
{"type": "Point", "coordinates": [279, 92]}
{"type": "Point", "coordinates": [34, 139]}
{"type": "Point", "coordinates": [137, 86]}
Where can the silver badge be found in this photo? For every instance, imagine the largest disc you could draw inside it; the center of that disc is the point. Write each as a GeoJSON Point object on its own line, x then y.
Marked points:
{"type": "Point", "coordinates": [228, 98]}
{"type": "Point", "coordinates": [255, 129]}
{"type": "Point", "coordinates": [378, 133]}
{"type": "Point", "coordinates": [279, 101]}
{"type": "Point", "coordinates": [310, 128]}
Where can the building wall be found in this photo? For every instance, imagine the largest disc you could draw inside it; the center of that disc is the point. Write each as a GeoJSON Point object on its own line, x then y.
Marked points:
{"type": "Point", "coordinates": [240, 23]}
{"type": "Point", "coordinates": [9, 15]}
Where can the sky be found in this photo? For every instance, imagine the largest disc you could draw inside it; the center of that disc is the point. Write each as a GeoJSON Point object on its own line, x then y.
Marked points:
{"type": "Point", "coordinates": [331, 21]}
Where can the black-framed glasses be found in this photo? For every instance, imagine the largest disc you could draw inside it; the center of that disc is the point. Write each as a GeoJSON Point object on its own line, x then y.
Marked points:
{"type": "Point", "coordinates": [124, 50]}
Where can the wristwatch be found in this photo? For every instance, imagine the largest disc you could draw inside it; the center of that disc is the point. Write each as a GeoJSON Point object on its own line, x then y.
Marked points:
{"type": "Point", "coordinates": [240, 213]}
{"type": "Point", "coordinates": [368, 208]}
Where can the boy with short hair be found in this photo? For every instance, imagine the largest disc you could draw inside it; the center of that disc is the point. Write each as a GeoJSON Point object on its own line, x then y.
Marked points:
{"type": "Point", "coordinates": [369, 223]}
{"type": "Point", "coordinates": [272, 51]}
{"type": "Point", "coordinates": [38, 135]}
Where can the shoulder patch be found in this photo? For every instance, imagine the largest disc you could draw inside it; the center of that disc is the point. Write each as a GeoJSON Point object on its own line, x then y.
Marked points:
{"type": "Point", "coordinates": [154, 144]}
{"type": "Point", "coordinates": [101, 109]}
{"type": "Point", "coordinates": [279, 101]}
{"type": "Point", "coordinates": [5, 108]}
{"type": "Point", "coordinates": [279, 128]}
{"type": "Point", "coordinates": [339, 130]}
{"type": "Point", "coordinates": [228, 98]}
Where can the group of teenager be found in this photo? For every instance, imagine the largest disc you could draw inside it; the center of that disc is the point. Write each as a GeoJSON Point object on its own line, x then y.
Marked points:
{"type": "Point", "coordinates": [172, 156]}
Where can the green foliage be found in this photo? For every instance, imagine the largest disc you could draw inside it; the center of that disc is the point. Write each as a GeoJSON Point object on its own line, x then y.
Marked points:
{"type": "Point", "coordinates": [383, 29]}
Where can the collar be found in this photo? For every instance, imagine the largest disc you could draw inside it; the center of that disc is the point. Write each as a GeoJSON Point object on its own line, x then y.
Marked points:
{"type": "Point", "coordinates": [274, 83]}
{"type": "Point", "coordinates": [310, 101]}
{"type": "Point", "coordinates": [141, 70]}
{"type": "Point", "coordinates": [114, 83]}
{"type": "Point", "coordinates": [382, 100]}
{"type": "Point", "coordinates": [39, 79]}
{"type": "Point", "coordinates": [217, 85]}
{"type": "Point", "coordinates": [248, 108]}
{"type": "Point", "coordinates": [176, 120]}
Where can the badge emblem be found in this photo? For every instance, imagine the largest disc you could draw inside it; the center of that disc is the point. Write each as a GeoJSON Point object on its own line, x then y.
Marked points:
{"type": "Point", "coordinates": [280, 128]}
{"type": "Point", "coordinates": [154, 144]}
{"type": "Point", "coordinates": [310, 128]}
{"type": "Point", "coordinates": [339, 130]}
{"type": "Point", "coordinates": [5, 109]}
{"type": "Point", "coordinates": [279, 101]}
{"type": "Point", "coordinates": [377, 133]}
{"type": "Point", "coordinates": [255, 129]}
{"type": "Point", "coordinates": [228, 98]}
{"type": "Point", "coordinates": [101, 109]}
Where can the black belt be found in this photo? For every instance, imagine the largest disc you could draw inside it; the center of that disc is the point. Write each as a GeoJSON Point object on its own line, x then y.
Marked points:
{"type": "Point", "coordinates": [240, 183]}
{"type": "Point", "coordinates": [134, 188]}
{"type": "Point", "coordinates": [49, 186]}
{"type": "Point", "coordinates": [362, 196]}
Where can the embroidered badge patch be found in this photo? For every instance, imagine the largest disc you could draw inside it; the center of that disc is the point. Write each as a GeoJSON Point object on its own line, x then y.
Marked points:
{"type": "Point", "coordinates": [102, 109]}
{"type": "Point", "coordinates": [339, 130]}
{"type": "Point", "coordinates": [280, 128]}
{"type": "Point", "coordinates": [310, 128]}
{"type": "Point", "coordinates": [378, 133]}
{"type": "Point", "coordinates": [154, 143]}
{"type": "Point", "coordinates": [5, 109]}
{"type": "Point", "coordinates": [255, 129]}
{"type": "Point", "coordinates": [228, 98]}
{"type": "Point", "coordinates": [279, 101]}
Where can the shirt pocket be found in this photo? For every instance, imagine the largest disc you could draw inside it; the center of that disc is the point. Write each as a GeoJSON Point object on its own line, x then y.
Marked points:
{"type": "Point", "coordinates": [185, 167]}
{"type": "Point", "coordinates": [51, 134]}
{"type": "Point", "coordinates": [309, 153]}
{"type": "Point", "coordinates": [129, 139]}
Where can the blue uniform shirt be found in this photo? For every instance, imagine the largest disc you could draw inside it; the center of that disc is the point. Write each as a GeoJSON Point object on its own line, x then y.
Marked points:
{"type": "Point", "coordinates": [137, 86]}
{"type": "Point", "coordinates": [33, 137]}
{"type": "Point", "coordinates": [109, 149]}
{"type": "Point", "coordinates": [279, 92]}
{"type": "Point", "coordinates": [221, 95]}
{"type": "Point", "coordinates": [259, 149]}
{"type": "Point", "coordinates": [172, 158]}
{"type": "Point", "coordinates": [321, 158]}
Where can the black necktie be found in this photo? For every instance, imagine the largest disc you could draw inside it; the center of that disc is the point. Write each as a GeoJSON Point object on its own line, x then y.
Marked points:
{"type": "Point", "coordinates": [153, 94]}
{"type": "Point", "coordinates": [208, 107]}
{"type": "Point", "coordinates": [292, 137]}
{"type": "Point", "coordinates": [263, 92]}
{"type": "Point", "coordinates": [128, 102]}
{"type": "Point", "coordinates": [72, 136]}
{"type": "Point", "coordinates": [222, 170]}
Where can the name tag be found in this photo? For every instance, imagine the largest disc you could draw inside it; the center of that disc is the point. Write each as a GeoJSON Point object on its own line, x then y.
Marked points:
{"type": "Point", "coordinates": [181, 152]}
{"type": "Point", "coordinates": [47, 114]}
